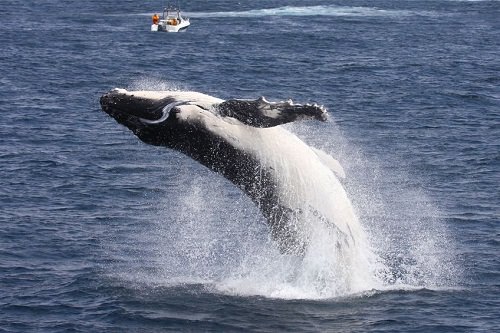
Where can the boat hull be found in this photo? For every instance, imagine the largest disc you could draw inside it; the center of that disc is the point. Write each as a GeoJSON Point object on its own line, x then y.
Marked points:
{"type": "Point", "coordinates": [163, 26]}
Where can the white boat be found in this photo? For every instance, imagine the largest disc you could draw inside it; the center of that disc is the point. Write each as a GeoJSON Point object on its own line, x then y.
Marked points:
{"type": "Point", "coordinates": [170, 21]}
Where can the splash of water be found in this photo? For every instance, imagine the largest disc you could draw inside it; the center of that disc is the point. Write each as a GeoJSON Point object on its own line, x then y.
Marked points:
{"type": "Point", "coordinates": [222, 242]}
{"type": "Point", "coordinates": [405, 228]}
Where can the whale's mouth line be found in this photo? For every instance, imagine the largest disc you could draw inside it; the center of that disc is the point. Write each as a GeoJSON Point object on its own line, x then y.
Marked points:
{"type": "Point", "coordinates": [117, 112]}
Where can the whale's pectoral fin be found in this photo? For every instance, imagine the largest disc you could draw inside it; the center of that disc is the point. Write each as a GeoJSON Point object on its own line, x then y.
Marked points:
{"type": "Point", "coordinates": [261, 113]}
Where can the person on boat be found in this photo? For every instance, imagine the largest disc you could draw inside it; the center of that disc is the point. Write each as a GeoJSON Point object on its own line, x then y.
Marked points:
{"type": "Point", "coordinates": [156, 19]}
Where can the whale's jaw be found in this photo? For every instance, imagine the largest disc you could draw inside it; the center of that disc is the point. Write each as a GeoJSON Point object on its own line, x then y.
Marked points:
{"type": "Point", "coordinates": [151, 118]}
{"type": "Point", "coordinates": [125, 107]}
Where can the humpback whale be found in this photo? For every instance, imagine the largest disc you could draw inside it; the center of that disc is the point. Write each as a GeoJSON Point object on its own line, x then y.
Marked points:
{"type": "Point", "coordinates": [295, 186]}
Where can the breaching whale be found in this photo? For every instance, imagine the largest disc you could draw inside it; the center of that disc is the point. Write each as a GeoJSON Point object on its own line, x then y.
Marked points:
{"type": "Point", "coordinates": [295, 186]}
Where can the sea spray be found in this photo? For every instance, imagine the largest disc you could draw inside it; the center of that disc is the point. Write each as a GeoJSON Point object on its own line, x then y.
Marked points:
{"type": "Point", "coordinates": [155, 83]}
{"type": "Point", "coordinates": [405, 228]}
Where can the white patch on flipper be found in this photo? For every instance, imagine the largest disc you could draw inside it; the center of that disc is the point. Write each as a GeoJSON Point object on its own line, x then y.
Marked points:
{"type": "Point", "coordinates": [330, 162]}
{"type": "Point", "coordinates": [266, 108]}
{"type": "Point", "coordinates": [270, 113]}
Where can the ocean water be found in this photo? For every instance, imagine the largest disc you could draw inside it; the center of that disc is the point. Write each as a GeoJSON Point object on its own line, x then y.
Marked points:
{"type": "Point", "coordinates": [100, 232]}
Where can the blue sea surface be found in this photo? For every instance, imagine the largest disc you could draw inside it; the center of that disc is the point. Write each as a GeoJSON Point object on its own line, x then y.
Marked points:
{"type": "Point", "coordinates": [100, 232]}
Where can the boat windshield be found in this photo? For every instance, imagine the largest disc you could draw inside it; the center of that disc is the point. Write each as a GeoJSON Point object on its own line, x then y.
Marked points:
{"type": "Point", "coordinates": [170, 12]}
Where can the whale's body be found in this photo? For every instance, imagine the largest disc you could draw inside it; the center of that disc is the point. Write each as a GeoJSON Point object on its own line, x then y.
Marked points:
{"type": "Point", "coordinates": [294, 185]}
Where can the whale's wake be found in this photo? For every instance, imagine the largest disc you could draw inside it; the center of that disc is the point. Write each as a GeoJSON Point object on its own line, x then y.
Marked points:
{"type": "Point", "coordinates": [205, 231]}
{"type": "Point", "coordinates": [319, 10]}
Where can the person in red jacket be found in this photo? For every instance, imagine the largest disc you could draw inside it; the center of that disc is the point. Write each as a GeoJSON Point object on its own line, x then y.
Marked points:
{"type": "Point", "coordinates": [156, 19]}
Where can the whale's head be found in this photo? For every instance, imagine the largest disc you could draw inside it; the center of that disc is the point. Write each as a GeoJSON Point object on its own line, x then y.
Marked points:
{"type": "Point", "coordinates": [151, 116]}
